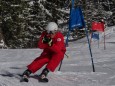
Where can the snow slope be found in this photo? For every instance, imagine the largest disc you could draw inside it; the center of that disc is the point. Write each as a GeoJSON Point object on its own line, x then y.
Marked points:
{"type": "Point", "coordinates": [76, 70]}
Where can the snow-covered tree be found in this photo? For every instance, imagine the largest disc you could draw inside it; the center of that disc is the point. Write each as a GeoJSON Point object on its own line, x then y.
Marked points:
{"type": "Point", "coordinates": [22, 21]}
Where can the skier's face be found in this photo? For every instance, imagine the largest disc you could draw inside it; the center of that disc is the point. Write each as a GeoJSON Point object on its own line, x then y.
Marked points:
{"type": "Point", "coordinates": [51, 33]}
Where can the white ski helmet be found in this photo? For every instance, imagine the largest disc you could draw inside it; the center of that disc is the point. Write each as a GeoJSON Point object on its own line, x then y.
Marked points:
{"type": "Point", "coordinates": [52, 26]}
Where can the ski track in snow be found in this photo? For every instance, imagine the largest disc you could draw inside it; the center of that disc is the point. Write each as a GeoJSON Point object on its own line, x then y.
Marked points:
{"type": "Point", "coordinates": [76, 70]}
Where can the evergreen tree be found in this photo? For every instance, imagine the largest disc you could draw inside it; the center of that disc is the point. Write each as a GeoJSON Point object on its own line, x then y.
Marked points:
{"type": "Point", "coordinates": [22, 21]}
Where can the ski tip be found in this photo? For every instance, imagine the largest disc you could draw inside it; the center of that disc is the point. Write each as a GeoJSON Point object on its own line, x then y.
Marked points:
{"type": "Point", "coordinates": [24, 80]}
{"type": "Point", "coordinates": [45, 80]}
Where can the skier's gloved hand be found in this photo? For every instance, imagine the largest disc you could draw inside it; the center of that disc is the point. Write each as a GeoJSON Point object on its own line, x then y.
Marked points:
{"type": "Point", "coordinates": [46, 39]}
{"type": "Point", "coordinates": [50, 43]}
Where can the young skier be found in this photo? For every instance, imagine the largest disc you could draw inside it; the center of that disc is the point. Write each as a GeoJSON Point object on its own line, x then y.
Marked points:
{"type": "Point", "coordinates": [52, 43]}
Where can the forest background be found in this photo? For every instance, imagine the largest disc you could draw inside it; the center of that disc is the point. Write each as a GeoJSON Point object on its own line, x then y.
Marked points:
{"type": "Point", "coordinates": [22, 21]}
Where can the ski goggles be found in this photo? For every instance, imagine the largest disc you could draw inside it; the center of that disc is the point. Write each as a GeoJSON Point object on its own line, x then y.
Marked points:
{"type": "Point", "coordinates": [51, 32]}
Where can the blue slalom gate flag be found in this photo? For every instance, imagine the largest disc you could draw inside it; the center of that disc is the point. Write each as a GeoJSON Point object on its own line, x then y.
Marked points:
{"type": "Point", "coordinates": [95, 35]}
{"type": "Point", "coordinates": [76, 19]}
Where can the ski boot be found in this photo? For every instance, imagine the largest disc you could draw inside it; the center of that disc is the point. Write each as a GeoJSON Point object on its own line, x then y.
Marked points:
{"type": "Point", "coordinates": [42, 76]}
{"type": "Point", "coordinates": [25, 76]}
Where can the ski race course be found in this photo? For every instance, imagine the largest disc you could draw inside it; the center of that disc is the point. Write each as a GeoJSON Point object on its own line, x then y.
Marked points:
{"type": "Point", "coordinates": [76, 70]}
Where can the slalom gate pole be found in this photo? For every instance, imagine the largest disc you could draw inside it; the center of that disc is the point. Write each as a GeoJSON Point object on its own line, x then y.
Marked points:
{"type": "Point", "coordinates": [91, 39]}
{"type": "Point", "coordinates": [66, 44]}
{"type": "Point", "coordinates": [90, 50]}
{"type": "Point", "coordinates": [98, 40]}
{"type": "Point", "coordinates": [104, 41]}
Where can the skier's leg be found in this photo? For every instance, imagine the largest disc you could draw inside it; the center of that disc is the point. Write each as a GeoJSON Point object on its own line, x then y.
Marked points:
{"type": "Point", "coordinates": [54, 61]}
{"type": "Point", "coordinates": [34, 66]}
{"type": "Point", "coordinates": [38, 63]}
{"type": "Point", "coordinates": [52, 64]}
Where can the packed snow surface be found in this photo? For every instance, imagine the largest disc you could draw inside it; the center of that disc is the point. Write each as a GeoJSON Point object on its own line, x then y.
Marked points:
{"type": "Point", "coordinates": [76, 70]}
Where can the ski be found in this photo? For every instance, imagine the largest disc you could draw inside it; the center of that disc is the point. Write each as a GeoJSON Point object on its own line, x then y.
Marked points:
{"type": "Point", "coordinates": [44, 80]}
{"type": "Point", "coordinates": [24, 79]}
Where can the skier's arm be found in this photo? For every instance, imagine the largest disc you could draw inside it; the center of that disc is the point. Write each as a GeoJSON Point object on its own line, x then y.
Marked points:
{"type": "Point", "coordinates": [58, 46]}
{"type": "Point", "coordinates": [42, 45]}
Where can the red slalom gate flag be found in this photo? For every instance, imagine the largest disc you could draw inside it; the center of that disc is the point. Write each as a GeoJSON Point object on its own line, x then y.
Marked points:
{"type": "Point", "coordinates": [99, 26]}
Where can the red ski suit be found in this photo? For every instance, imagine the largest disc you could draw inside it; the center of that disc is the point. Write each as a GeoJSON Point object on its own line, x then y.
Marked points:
{"type": "Point", "coordinates": [51, 55]}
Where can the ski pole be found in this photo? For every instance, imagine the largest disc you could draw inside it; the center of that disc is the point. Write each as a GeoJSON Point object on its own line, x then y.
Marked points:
{"type": "Point", "coordinates": [66, 55]}
{"type": "Point", "coordinates": [62, 61]}
{"type": "Point", "coordinates": [60, 65]}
